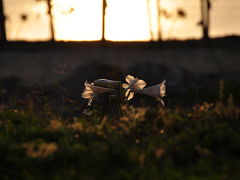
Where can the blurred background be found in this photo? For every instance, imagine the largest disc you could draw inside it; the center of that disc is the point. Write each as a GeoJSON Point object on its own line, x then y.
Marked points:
{"type": "Point", "coordinates": [125, 20]}
{"type": "Point", "coordinates": [191, 43]}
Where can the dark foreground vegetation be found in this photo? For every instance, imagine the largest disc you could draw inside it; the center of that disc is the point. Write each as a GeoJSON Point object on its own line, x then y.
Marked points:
{"type": "Point", "coordinates": [49, 134]}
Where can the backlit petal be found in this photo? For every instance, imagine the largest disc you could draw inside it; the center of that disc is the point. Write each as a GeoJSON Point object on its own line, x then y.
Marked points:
{"type": "Point", "coordinates": [127, 92]}
{"type": "Point", "coordinates": [130, 96]}
{"type": "Point", "coordinates": [86, 84]}
{"type": "Point", "coordinates": [129, 79]}
{"type": "Point", "coordinates": [125, 85]}
{"type": "Point", "coordinates": [86, 95]}
{"type": "Point", "coordinates": [162, 89]}
{"type": "Point", "coordinates": [140, 84]}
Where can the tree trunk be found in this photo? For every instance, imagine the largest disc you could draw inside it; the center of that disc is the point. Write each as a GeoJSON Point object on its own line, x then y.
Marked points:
{"type": "Point", "coordinates": [205, 7]}
{"type": "Point", "coordinates": [51, 20]}
{"type": "Point", "coordinates": [150, 19]}
{"type": "Point", "coordinates": [159, 20]}
{"type": "Point", "coordinates": [3, 37]}
{"type": "Point", "coordinates": [103, 19]}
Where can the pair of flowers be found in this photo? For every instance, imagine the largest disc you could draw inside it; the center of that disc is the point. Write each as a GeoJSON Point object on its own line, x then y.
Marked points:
{"type": "Point", "coordinates": [133, 85]}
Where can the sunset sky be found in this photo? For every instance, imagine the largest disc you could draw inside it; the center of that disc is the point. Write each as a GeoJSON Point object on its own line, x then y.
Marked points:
{"type": "Point", "coordinates": [126, 20]}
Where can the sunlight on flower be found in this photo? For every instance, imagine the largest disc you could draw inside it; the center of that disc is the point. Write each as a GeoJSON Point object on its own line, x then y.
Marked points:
{"type": "Point", "coordinates": [156, 91]}
{"type": "Point", "coordinates": [91, 91]}
{"type": "Point", "coordinates": [88, 92]}
{"type": "Point", "coordinates": [133, 84]}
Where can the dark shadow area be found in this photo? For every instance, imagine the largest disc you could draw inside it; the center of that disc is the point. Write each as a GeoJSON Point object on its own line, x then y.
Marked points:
{"type": "Point", "coordinates": [183, 87]}
{"type": "Point", "coordinates": [59, 45]}
{"type": "Point", "coordinates": [48, 131]}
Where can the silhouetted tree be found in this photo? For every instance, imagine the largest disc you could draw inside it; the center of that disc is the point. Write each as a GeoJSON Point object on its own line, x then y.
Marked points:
{"type": "Point", "coordinates": [49, 3]}
{"type": "Point", "coordinates": [2, 23]}
{"type": "Point", "coordinates": [173, 16]}
{"type": "Point", "coordinates": [104, 6]}
{"type": "Point", "coordinates": [150, 19]}
{"type": "Point", "coordinates": [205, 8]}
{"type": "Point", "coordinates": [159, 37]}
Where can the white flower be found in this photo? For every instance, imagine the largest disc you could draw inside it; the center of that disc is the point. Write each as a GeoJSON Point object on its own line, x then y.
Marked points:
{"type": "Point", "coordinates": [134, 84]}
{"type": "Point", "coordinates": [92, 91]}
{"type": "Point", "coordinates": [156, 91]}
{"type": "Point", "coordinates": [107, 83]}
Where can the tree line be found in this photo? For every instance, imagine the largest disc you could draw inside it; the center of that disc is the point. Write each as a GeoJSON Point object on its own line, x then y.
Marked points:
{"type": "Point", "coordinates": [205, 19]}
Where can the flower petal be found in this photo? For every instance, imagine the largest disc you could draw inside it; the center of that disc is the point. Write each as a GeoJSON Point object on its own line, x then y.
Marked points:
{"type": "Point", "coordinates": [130, 96]}
{"type": "Point", "coordinates": [156, 91]}
{"type": "Point", "coordinates": [153, 91]}
{"type": "Point", "coordinates": [162, 88]}
{"type": "Point", "coordinates": [125, 85]}
{"type": "Point", "coordinates": [86, 84]}
{"type": "Point", "coordinates": [140, 84]}
{"type": "Point", "coordinates": [86, 95]}
{"type": "Point", "coordinates": [129, 79]}
{"type": "Point", "coordinates": [127, 92]}
{"type": "Point", "coordinates": [88, 91]}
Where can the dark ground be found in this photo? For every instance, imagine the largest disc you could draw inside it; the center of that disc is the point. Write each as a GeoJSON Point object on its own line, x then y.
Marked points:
{"type": "Point", "coordinates": [45, 134]}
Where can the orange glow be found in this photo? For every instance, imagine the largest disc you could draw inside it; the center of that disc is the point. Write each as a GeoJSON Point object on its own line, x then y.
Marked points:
{"type": "Point", "coordinates": [77, 19]}
{"type": "Point", "coordinates": [126, 20]}
{"type": "Point", "coordinates": [85, 22]}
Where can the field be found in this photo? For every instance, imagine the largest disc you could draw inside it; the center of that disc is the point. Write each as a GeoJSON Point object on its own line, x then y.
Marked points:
{"type": "Point", "coordinates": [51, 133]}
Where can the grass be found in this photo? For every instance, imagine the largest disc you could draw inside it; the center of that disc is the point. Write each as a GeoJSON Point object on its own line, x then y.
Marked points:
{"type": "Point", "coordinates": [42, 137]}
